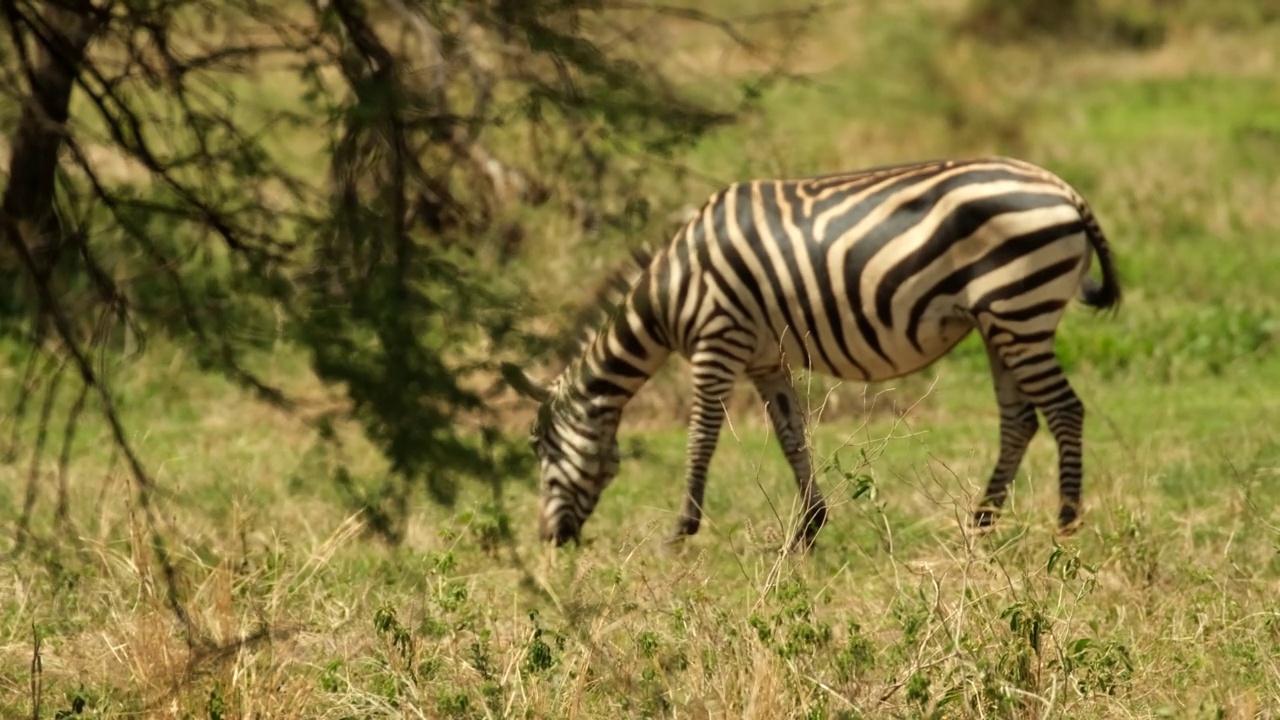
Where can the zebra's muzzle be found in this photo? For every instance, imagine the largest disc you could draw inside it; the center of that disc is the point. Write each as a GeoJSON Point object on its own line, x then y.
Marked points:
{"type": "Point", "coordinates": [559, 531]}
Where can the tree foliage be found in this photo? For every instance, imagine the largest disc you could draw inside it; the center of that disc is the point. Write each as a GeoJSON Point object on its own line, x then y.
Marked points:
{"type": "Point", "coordinates": [345, 176]}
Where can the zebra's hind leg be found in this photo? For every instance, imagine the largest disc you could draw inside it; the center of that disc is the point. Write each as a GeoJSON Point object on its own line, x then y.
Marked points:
{"type": "Point", "coordinates": [779, 396]}
{"type": "Point", "coordinates": [1018, 424]}
{"type": "Point", "coordinates": [715, 368]}
{"type": "Point", "coordinates": [1040, 377]}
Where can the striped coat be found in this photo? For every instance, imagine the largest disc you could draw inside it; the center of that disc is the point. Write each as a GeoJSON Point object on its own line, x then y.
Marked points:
{"type": "Point", "coordinates": [868, 276]}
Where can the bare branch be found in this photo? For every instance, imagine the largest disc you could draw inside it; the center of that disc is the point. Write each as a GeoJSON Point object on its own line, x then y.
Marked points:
{"type": "Point", "coordinates": [67, 335]}
{"type": "Point", "coordinates": [686, 13]}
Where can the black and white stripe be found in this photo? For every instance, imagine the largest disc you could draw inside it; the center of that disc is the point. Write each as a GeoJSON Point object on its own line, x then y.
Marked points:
{"type": "Point", "coordinates": [867, 275]}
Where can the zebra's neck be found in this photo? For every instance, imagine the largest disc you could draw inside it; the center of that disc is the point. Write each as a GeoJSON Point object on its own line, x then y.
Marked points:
{"type": "Point", "coordinates": [620, 358]}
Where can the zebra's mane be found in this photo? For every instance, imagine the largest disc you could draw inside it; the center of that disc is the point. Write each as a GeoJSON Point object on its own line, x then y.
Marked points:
{"type": "Point", "coordinates": [606, 301]}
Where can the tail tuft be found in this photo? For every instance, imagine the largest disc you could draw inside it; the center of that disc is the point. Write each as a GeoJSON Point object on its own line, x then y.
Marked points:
{"type": "Point", "coordinates": [1106, 294]}
{"type": "Point", "coordinates": [1100, 295]}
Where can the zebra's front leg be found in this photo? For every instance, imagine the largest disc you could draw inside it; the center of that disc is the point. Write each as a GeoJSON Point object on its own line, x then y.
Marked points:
{"type": "Point", "coordinates": [714, 372]}
{"type": "Point", "coordinates": [779, 396]}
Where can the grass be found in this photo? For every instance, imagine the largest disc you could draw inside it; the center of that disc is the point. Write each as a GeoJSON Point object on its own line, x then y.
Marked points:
{"type": "Point", "coordinates": [1163, 606]}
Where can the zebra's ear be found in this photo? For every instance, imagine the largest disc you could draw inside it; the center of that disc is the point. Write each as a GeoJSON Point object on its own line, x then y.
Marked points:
{"type": "Point", "coordinates": [516, 378]}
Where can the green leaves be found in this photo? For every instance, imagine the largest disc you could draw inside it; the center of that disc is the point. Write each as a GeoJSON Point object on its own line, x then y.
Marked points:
{"type": "Point", "coordinates": [406, 310]}
{"type": "Point", "coordinates": [347, 181]}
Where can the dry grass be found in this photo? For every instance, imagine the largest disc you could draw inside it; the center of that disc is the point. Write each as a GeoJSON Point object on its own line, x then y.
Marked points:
{"type": "Point", "coordinates": [898, 613]}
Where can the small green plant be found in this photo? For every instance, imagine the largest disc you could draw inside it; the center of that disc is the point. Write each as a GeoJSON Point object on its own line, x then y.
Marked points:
{"type": "Point", "coordinates": [453, 704]}
{"type": "Point", "coordinates": [216, 706]}
{"type": "Point", "coordinates": [388, 627]}
{"type": "Point", "coordinates": [1097, 667]}
{"type": "Point", "coordinates": [1027, 622]}
{"type": "Point", "coordinates": [856, 656]}
{"type": "Point", "coordinates": [912, 614]}
{"type": "Point", "coordinates": [479, 655]}
{"type": "Point", "coordinates": [917, 691]}
{"type": "Point", "coordinates": [648, 643]}
{"type": "Point", "coordinates": [539, 656]}
{"type": "Point", "coordinates": [451, 595]}
{"type": "Point", "coordinates": [331, 679]}
{"type": "Point", "coordinates": [490, 526]}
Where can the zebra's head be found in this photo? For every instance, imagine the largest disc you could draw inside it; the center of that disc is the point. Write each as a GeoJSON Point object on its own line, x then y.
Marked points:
{"type": "Point", "coordinates": [578, 457]}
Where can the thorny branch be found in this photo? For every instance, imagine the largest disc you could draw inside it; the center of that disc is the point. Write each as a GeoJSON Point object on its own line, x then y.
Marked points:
{"type": "Point", "coordinates": [493, 106]}
{"type": "Point", "coordinates": [64, 326]}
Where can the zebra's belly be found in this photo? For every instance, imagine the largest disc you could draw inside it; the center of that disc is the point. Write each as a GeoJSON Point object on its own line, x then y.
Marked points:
{"type": "Point", "coordinates": [851, 357]}
{"type": "Point", "coordinates": [936, 339]}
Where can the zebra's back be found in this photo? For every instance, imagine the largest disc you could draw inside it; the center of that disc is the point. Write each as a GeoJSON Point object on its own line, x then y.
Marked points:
{"type": "Point", "coordinates": [876, 273]}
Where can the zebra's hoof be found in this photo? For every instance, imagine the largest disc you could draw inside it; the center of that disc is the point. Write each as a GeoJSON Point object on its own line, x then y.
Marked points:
{"type": "Point", "coordinates": [806, 537]}
{"type": "Point", "coordinates": [685, 527]}
{"type": "Point", "coordinates": [1069, 521]}
{"type": "Point", "coordinates": [672, 546]}
{"type": "Point", "coordinates": [984, 520]}
{"type": "Point", "coordinates": [802, 543]}
{"type": "Point", "coordinates": [977, 533]}
{"type": "Point", "coordinates": [1070, 530]}
{"type": "Point", "coordinates": [803, 539]}
{"type": "Point", "coordinates": [810, 524]}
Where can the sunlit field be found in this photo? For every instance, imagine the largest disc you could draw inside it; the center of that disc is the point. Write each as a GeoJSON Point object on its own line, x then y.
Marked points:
{"type": "Point", "coordinates": [1165, 604]}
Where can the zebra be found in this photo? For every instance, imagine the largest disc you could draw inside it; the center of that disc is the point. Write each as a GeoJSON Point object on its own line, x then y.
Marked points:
{"type": "Point", "coordinates": [867, 275]}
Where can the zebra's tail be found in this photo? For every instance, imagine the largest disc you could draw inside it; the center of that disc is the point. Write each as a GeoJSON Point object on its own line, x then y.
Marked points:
{"type": "Point", "coordinates": [1105, 294]}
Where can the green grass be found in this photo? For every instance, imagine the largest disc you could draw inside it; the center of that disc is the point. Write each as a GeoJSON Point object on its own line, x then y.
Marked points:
{"type": "Point", "coordinates": [1165, 601]}
{"type": "Point", "coordinates": [1165, 604]}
